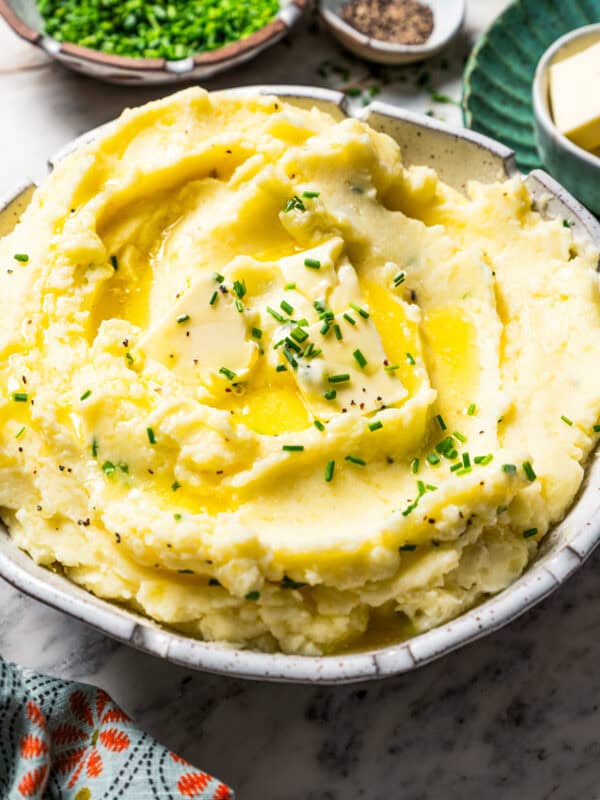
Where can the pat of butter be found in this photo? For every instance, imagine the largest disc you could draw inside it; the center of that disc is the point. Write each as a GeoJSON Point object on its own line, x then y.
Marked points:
{"type": "Point", "coordinates": [575, 97]}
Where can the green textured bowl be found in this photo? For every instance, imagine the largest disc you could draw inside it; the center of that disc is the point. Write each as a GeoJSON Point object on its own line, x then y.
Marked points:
{"type": "Point", "coordinates": [499, 73]}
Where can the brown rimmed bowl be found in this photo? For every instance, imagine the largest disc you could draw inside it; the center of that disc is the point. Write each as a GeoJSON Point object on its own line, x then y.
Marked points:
{"type": "Point", "coordinates": [25, 20]}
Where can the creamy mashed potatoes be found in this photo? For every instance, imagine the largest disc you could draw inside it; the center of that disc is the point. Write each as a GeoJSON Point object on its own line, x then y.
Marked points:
{"type": "Point", "coordinates": [266, 385]}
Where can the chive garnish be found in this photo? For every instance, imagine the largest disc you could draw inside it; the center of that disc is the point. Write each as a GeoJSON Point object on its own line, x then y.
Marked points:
{"type": "Point", "coordinates": [410, 359]}
{"type": "Point", "coordinates": [275, 314]}
{"type": "Point", "coordinates": [115, 263]}
{"type": "Point", "coordinates": [299, 334]}
{"type": "Point", "coordinates": [290, 357]}
{"type": "Point", "coordinates": [440, 421]}
{"type": "Point", "coordinates": [310, 194]}
{"type": "Point", "coordinates": [596, 428]}
{"type": "Point", "coordinates": [338, 332]}
{"type": "Point", "coordinates": [129, 358]}
{"type": "Point", "coordinates": [391, 367]}
{"type": "Point", "coordinates": [175, 485]}
{"type": "Point", "coordinates": [20, 433]}
{"type": "Point", "coordinates": [312, 263]}
{"type": "Point", "coordinates": [239, 306]}
{"type": "Point", "coordinates": [399, 279]}
{"type": "Point", "coordinates": [566, 420]}
{"type": "Point", "coordinates": [464, 470]}
{"type": "Point", "coordinates": [329, 470]}
{"type": "Point", "coordinates": [182, 318]}
{"type": "Point", "coordinates": [414, 467]}
{"type": "Point", "coordinates": [349, 319]}
{"type": "Point", "coordinates": [239, 288]}
{"type": "Point", "coordinates": [342, 377]}
{"type": "Point", "coordinates": [294, 203]}
{"type": "Point", "coordinates": [218, 277]}
{"type": "Point", "coordinates": [319, 306]}
{"type": "Point", "coordinates": [509, 468]}
{"type": "Point", "coordinates": [108, 468]}
{"type": "Point", "coordinates": [293, 448]}
{"type": "Point", "coordinates": [375, 426]}
{"type": "Point", "coordinates": [151, 436]}
{"type": "Point", "coordinates": [289, 286]}
{"type": "Point", "coordinates": [229, 373]}
{"type": "Point", "coordinates": [529, 533]}
{"type": "Point", "coordinates": [330, 394]}
{"type": "Point", "coordinates": [20, 397]}
{"type": "Point", "coordinates": [483, 460]}
{"type": "Point", "coordinates": [360, 359]}
{"type": "Point", "coordinates": [407, 548]}
{"type": "Point", "coordinates": [529, 471]}
{"type": "Point", "coordinates": [253, 596]}
{"type": "Point", "coordinates": [281, 368]}
{"type": "Point", "coordinates": [22, 257]}
{"type": "Point", "coordinates": [356, 460]}
{"type": "Point", "coordinates": [85, 395]}
{"type": "Point", "coordinates": [471, 409]}
{"type": "Point", "coordinates": [456, 467]}
{"type": "Point", "coordinates": [466, 460]}
{"type": "Point", "coordinates": [319, 425]}
{"type": "Point", "coordinates": [362, 311]}
{"type": "Point", "coordinates": [94, 447]}
{"type": "Point", "coordinates": [433, 459]}
{"type": "Point", "coordinates": [291, 344]}
{"type": "Point", "coordinates": [501, 509]}
{"type": "Point", "coordinates": [286, 307]}
{"type": "Point", "coordinates": [459, 436]}
{"type": "Point", "coordinates": [256, 333]}
{"type": "Point", "coordinates": [325, 328]}
{"type": "Point", "coordinates": [177, 517]}
{"type": "Point", "coordinates": [289, 583]}
{"type": "Point", "coordinates": [213, 298]}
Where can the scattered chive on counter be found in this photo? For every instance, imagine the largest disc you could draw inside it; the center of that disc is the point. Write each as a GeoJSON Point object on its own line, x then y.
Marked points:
{"type": "Point", "coordinates": [172, 30]}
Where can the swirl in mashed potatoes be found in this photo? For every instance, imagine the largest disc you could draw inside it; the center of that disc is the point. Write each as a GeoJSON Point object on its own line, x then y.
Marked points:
{"type": "Point", "coordinates": [268, 386]}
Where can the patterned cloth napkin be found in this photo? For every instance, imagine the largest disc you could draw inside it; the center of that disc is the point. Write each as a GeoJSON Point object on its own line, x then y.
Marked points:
{"type": "Point", "coordinates": [69, 741]}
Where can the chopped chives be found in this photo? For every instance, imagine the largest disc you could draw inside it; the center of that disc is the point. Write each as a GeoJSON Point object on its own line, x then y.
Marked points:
{"type": "Point", "coordinates": [20, 397]}
{"type": "Point", "coordinates": [509, 468]}
{"type": "Point", "coordinates": [302, 322]}
{"type": "Point", "coordinates": [290, 583]}
{"type": "Point", "coordinates": [391, 367]}
{"type": "Point", "coordinates": [399, 279]}
{"type": "Point", "coordinates": [108, 468]}
{"type": "Point", "coordinates": [239, 306]}
{"type": "Point", "coordinates": [596, 428]}
{"type": "Point", "coordinates": [360, 359]}
{"type": "Point", "coordinates": [22, 257]}
{"type": "Point", "coordinates": [281, 368]}
{"type": "Point", "coordinates": [175, 485]}
{"type": "Point", "coordinates": [291, 344]}
{"type": "Point", "coordinates": [289, 286]}
{"type": "Point", "coordinates": [20, 433]}
{"type": "Point", "coordinates": [349, 319]}
{"type": "Point", "coordinates": [275, 314]}
{"type": "Point", "coordinates": [299, 334]}
{"type": "Point", "coordinates": [466, 459]}
{"type": "Point", "coordinates": [94, 447]}
{"type": "Point", "coordinates": [471, 409]}
{"type": "Point", "coordinates": [286, 307]}
{"type": "Point", "coordinates": [529, 471]}
{"type": "Point", "coordinates": [319, 306]}
{"type": "Point", "coordinates": [312, 263]}
{"type": "Point", "coordinates": [229, 373]}
{"type": "Point", "coordinates": [529, 533]}
{"type": "Point", "coordinates": [356, 460]}
{"type": "Point", "coordinates": [182, 318]}
{"type": "Point", "coordinates": [293, 448]}
{"type": "Point", "coordinates": [329, 470]}
{"type": "Point", "coordinates": [430, 487]}
{"type": "Point", "coordinates": [115, 263]}
{"type": "Point", "coordinates": [407, 548]}
{"type": "Point", "coordinates": [456, 467]}
{"type": "Point", "coordinates": [415, 465]}
{"type": "Point", "coordinates": [218, 277]}
{"type": "Point", "coordinates": [310, 194]}
{"type": "Point", "coordinates": [213, 298]}
{"type": "Point", "coordinates": [375, 426]}
{"type": "Point", "coordinates": [256, 333]}
{"type": "Point", "coordinates": [330, 394]}
{"type": "Point", "coordinates": [433, 459]}
{"type": "Point", "coordinates": [129, 357]}
{"type": "Point", "coordinates": [459, 436]}
{"type": "Point", "coordinates": [410, 359]}
{"type": "Point", "coordinates": [362, 311]}
{"type": "Point", "coordinates": [501, 509]}
{"type": "Point", "coordinates": [421, 488]}
{"type": "Point", "coordinates": [440, 421]}
{"type": "Point", "coordinates": [294, 203]}
{"type": "Point", "coordinates": [464, 470]}
{"type": "Point", "coordinates": [319, 425]}
{"type": "Point", "coordinates": [567, 420]}
{"type": "Point", "coordinates": [290, 358]}
{"type": "Point", "coordinates": [253, 596]}
{"type": "Point", "coordinates": [85, 395]}
{"type": "Point", "coordinates": [338, 332]}
{"type": "Point", "coordinates": [239, 288]}
{"type": "Point", "coordinates": [177, 517]}
{"type": "Point", "coordinates": [325, 328]}
{"type": "Point", "coordinates": [483, 460]}
{"type": "Point", "coordinates": [151, 436]}
{"type": "Point", "coordinates": [341, 377]}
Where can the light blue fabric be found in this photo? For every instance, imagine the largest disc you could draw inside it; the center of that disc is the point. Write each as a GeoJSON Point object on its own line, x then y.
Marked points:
{"type": "Point", "coordinates": [69, 741]}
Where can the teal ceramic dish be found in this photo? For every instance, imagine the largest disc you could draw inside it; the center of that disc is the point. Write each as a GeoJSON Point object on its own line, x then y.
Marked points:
{"type": "Point", "coordinates": [499, 74]}
{"type": "Point", "coordinates": [575, 168]}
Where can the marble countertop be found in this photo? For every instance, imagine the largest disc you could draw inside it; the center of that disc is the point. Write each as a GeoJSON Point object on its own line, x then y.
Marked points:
{"type": "Point", "coordinates": [513, 716]}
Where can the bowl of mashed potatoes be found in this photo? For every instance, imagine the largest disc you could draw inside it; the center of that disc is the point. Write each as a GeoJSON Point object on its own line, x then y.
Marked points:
{"type": "Point", "coordinates": [293, 394]}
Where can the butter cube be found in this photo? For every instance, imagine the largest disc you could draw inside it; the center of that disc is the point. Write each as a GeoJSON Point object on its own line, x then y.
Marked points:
{"type": "Point", "coordinates": [575, 97]}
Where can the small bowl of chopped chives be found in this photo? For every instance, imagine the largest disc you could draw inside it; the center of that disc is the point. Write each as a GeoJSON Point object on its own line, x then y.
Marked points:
{"type": "Point", "coordinates": [393, 31]}
{"type": "Point", "coordinates": [161, 41]}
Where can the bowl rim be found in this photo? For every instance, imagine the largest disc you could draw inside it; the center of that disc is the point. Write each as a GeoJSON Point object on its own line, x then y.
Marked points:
{"type": "Point", "coordinates": [288, 14]}
{"type": "Point", "coordinates": [540, 102]}
{"type": "Point", "coordinates": [542, 577]}
{"type": "Point", "coordinates": [334, 21]}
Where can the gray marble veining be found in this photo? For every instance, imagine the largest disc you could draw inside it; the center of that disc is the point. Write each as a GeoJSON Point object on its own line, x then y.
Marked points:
{"type": "Point", "coordinates": [513, 716]}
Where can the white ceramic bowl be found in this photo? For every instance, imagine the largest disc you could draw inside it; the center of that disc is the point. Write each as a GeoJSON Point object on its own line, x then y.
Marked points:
{"type": "Point", "coordinates": [25, 20]}
{"type": "Point", "coordinates": [458, 156]}
{"type": "Point", "coordinates": [448, 18]}
{"type": "Point", "coordinates": [574, 167]}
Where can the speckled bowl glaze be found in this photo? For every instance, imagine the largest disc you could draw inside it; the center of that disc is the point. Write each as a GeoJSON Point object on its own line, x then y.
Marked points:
{"type": "Point", "coordinates": [448, 18]}
{"type": "Point", "coordinates": [574, 167]}
{"type": "Point", "coordinates": [24, 18]}
{"type": "Point", "coordinates": [458, 156]}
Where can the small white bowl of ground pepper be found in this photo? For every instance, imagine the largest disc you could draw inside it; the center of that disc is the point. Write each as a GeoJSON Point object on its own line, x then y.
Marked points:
{"type": "Point", "coordinates": [151, 41]}
{"type": "Point", "coordinates": [393, 31]}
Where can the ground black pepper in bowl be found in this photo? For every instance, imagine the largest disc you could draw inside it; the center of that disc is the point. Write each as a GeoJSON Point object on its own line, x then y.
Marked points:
{"type": "Point", "coordinates": [399, 21]}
